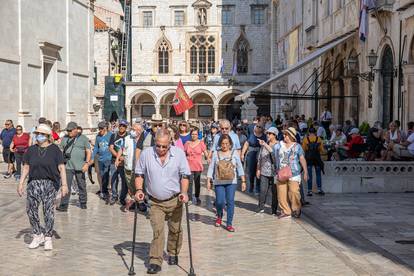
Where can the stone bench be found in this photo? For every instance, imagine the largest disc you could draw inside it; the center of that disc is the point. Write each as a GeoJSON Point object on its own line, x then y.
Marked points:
{"type": "Point", "coordinates": [368, 177]}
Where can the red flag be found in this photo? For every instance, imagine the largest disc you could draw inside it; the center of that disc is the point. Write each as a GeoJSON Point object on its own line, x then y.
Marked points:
{"type": "Point", "coordinates": [181, 101]}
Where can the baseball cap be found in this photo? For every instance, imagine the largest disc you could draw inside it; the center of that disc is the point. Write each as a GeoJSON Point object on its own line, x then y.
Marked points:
{"type": "Point", "coordinates": [43, 128]}
{"type": "Point", "coordinates": [71, 126]}
{"type": "Point", "coordinates": [214, 125]}
{"type": "Point", "coordinates": [102, 124]}
{"type": "Point", "coordinates": [123, 122]}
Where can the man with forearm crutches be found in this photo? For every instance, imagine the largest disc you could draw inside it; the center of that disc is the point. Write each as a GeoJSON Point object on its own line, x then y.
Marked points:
{"type": "Point", "coordinates": [166, 172]}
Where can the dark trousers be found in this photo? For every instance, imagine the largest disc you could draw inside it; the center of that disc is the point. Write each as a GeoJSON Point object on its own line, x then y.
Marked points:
{"type": "Point", "coordinates": [251, 159]}
{"type": "Point", "coordinates": [81, 181]}
{"type": "Point", "coordinates": [267, 183]}
{"type": "Point", "coordinates": [195, 179]}
{"type": "Point", "coordinates": [117, 172]}
{"type": "Point", "coordinates": [19, 161]}
{"type": "Point", "coordinates": [104, 171]}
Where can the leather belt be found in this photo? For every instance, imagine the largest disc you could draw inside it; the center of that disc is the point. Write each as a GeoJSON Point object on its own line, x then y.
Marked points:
{"type": "Point", "coordinates": [164, 200]}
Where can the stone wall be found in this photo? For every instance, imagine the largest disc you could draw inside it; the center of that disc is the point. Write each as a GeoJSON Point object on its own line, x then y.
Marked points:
{"type": "Point", "coordinates": [368, 177]}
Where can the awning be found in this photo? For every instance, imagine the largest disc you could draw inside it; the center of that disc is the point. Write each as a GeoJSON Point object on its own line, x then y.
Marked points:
{"type": "Point", "coordinates": [297, 66]}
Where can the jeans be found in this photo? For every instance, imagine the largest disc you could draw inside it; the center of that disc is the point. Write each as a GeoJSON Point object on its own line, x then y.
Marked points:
{"type": "Point", "coordinates": [104, 171]}
{"type": "Point", "coordinates": [116, 172]}
{"type": "Point", "coordinates": [81, 181]}
{"type": "Point", "coordinates": [318, 171]}
{"type": "Point", "coordinates": [266, 183]}
{"type": "Point", "coordinates": [225, 194]}
{"type": "Point", "coordinates": [251, 160]}
{"type": "Point", "coordinates": [195, 178]}
{"type": "Point", "coordinates": [19, 161]}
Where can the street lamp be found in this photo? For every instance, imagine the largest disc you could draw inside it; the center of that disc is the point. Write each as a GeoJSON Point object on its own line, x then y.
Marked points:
{"type": "Point", "coordinates": [372, 58]}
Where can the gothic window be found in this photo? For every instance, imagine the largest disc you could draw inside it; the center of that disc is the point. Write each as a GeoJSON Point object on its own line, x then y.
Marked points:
{"type": "Point", "coordinates": [163, 54]}
{"type": "Point", "coordinates": [193, 60]}
{"type": "Point", "coordinates": [211, 60]}
{"type": "Point", "coordinates": [202, 54]}
{"type": "Point", "coordinates": [242, 55]}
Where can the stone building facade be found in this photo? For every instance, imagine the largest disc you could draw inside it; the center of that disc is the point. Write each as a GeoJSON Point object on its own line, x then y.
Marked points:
{"type": "Point", "coordinates": [46, 61]}
{"type": "Point", "coordinates": [340, 77]}
{"type": "Point", "coordinates": [218, 49]}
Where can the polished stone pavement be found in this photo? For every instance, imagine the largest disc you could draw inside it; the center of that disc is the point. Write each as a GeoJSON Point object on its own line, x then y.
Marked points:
{"type": "Point", "coordinates": [97, 241]}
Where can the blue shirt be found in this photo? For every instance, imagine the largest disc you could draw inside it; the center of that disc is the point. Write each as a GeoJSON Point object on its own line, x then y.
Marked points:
{"type": "Point", "coordinates": [102, 147]}
{"type": "Point", "coordinates": [6, 136]}
{"type": "Point", "coordinates": [185, 138]}
{"type": "Point", "coordinates": [234, 139]}
{"type": "Point", "coordinates": [238, 168]}
{"type": "Point", "coordinates": [162, 180]}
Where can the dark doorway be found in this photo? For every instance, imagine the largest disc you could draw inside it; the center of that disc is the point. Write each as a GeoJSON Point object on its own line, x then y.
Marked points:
{"type": "Point", "coordinates": [387, 73]}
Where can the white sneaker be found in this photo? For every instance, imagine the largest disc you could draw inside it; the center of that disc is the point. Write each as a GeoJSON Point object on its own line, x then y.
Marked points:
{"type": "Point", "coordinates": [37, 241]}
{"type": "Point", "coordinates": [48, 243]}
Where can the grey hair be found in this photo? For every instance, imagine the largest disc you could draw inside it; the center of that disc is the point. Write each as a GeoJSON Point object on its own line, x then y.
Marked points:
{"type": "Point", "coordinates": [163, 132]}
{"type": "Point", "coordinates": [224, 122]}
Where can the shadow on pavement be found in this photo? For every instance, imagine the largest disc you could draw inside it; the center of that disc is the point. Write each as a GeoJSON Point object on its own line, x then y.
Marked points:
{"type": "Point", "coordinates": [27, 235]}
{"type": "Point", "coordinates": [141, 251]}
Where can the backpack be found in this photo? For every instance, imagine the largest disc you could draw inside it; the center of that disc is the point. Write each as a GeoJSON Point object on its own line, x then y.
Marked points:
{"type": "Point", "coordinates": [225, 168]}
{"type": "Point", "coordinates": [312, 155]}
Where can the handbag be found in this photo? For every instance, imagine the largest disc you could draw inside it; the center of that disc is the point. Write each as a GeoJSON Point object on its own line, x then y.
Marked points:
{"type": "Point", "coordinates": [285, 173]}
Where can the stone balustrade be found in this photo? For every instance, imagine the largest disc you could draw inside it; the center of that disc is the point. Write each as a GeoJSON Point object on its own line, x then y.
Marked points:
{"type": "Point", "coordinates": [365, 177]}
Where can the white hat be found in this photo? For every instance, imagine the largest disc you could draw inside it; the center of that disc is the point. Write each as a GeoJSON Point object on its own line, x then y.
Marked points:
{"type": "Point", "coordinates": [156, 119]}
{"type": "Point", "coordinates": [44, 129]}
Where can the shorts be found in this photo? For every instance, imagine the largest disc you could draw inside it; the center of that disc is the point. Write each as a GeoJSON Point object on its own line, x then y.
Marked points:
{"type": "Point", "coordinates": [8, 156]}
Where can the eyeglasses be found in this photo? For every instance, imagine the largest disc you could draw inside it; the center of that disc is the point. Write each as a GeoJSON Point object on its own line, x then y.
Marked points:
{"type": "Point", "coordinates": [161, 146]}
{"type": "Point", "coordinates": [6, 124]}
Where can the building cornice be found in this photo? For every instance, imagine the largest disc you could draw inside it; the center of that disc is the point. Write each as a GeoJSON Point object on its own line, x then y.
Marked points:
{"type": "Point", "coordinates": [175, 83]}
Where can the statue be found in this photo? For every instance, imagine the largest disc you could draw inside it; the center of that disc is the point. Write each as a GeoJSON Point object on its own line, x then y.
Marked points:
{"type": "Point", "coordinates": [202, 17]}
{"type": "Point", "coordinates": [249, 110]}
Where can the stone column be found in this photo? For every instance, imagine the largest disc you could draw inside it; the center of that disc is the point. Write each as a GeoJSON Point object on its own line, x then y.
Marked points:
{"type": "Point", "coordinates": [348, 101]}
{"type": "Point", "coordinates": [186, 115]}
{"type": "Point", "coordinates": [128, 113]}
{"type": "Point", "coordinates": [408, 94]}
{"type": "Point", "coordinates": [216, 112]}
{"type": "Point", "coordinates": [157, 109]}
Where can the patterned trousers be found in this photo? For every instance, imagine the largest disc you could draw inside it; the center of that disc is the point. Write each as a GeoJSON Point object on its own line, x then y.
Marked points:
{"type": "Point", "coordinates": [41, 191]}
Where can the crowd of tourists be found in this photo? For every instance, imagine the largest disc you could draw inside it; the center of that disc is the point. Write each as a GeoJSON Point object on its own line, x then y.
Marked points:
{"type": "Point", "coordinates": [158, 165]}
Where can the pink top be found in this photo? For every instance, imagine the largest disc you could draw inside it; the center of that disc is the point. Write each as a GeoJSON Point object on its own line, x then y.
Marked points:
{"type": "Point", "coordinates": [179, 144]}
{"type": "Point", "coordinates": [194, 156]}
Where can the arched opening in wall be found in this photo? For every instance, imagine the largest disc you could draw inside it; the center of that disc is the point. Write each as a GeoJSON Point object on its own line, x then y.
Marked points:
{"type": "Point", "coordinates": [387, 76]}
{"type": "Point", "coordinates": [228, 108]}
{"type": "Point", "coordinates": [166, 108]}
{"type": "Point", "coordinates": [354, 90]}
{"type": "Point", "coordinates": [338, 105]}
{"type": "Point", "coordinates": [203, 107]}
{"type": "Point", "coordinates": [142, 106]}
{"type": "Point", "coordinates": [326, 87]}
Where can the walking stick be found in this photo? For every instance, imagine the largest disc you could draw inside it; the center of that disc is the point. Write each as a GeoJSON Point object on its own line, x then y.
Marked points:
{"type": "Point", "coordinates": [191, 273]}
{"type": "Point", "coordinates": [131, 267]}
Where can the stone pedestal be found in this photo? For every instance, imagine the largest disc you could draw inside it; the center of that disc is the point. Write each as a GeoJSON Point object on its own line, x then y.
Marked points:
{"type": "Point", "coordinates": [92, 119]}
{"type": "Point", "coordinates": [249, 110]}
{"type": "Point", "coordinates": [25, 119]}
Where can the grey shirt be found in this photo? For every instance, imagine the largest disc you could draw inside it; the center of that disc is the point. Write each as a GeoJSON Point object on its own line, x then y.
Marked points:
{"type": "Point", "coordinates": [77, 152]}
{"type": "Point", "coordinates": [162, 180]}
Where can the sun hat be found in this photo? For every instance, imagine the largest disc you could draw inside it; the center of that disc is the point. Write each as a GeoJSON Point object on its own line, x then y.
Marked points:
{"type": "Point", "coordinates": [156, 119]}
{"type": "Point", "coordinates": [44, 129]}
{"type": "Point", "coordinates": [273, 130]}
{"type": "Point", "coordinates": [354, 131]}
{"type": "Point", "coordinates": [291, 132]}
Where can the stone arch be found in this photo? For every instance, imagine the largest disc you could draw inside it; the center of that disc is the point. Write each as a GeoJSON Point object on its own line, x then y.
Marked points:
{"type": "Point", "coordinates": [141, 91]}
{"type": "Point", "coordinates": [387, 63]}
{"type": "Point", "coordinates": [165, 100]}
{"type": "Point", "coordinates": [203, 105]}
{"type": "Point", "coordinates": [142, 104]}
{"type": "Point", "coordinates": [228, 108]}
{"type": "Point", "coordinates": [326, 84]}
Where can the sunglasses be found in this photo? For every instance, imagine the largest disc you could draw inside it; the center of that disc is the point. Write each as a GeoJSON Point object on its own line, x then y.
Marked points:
{"type": "Point", "coordinates": [7, 124]}
{"type": "Point", "coordinates": [157, 125]}
{"type": "Point", "coordinates": [161, 146]}
{"type": "Point", "coordinates": [101, 128]}
{"type": "Point", "coordinates": [122, 126]}
{"type": "Point", "coordinates": [19, 129]}
{"type": "Point", "coordinates": [225, 128]}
